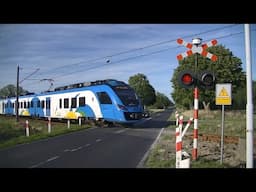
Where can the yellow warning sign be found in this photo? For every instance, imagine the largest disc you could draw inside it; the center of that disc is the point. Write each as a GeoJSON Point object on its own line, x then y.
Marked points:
{"type": "Point", "coordinates": [223, 94]}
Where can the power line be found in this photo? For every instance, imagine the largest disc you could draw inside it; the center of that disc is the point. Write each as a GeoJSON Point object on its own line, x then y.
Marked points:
{"type": "Point", "coordinates": [141, 48]}
{"type": "Point", "coordinates": [29, 75]}
{"type": "Point", "coordinates": [134, 57]}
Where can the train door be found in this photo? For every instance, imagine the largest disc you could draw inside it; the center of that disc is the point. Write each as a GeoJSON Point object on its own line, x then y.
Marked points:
{"type": "Point", "coordinates": [36, 110]}
{"type": "Point", "coordinates": [33, 107]}
{"type": "Point", "coordinates": [48, 106]}
{"type": "Point", "coordinates": [106, 106]}
{"type": "Point", "coordinates": [9, 107]}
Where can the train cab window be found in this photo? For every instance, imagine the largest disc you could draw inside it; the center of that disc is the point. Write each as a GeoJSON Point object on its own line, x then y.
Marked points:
{"type": "Point", "coordinates": [48, 104]}
{"type": "Point", "coordinates": [73, 102]}
{"type": "Point", "coordinates": [104, 98]}
{"type": "Point", "coordinates": [60, 103]}
{"type": "Point", "coordinates": [28, 104]}
{"type": "Point", "coordinates": [32, 104]}
{"type": "Point", "coordinates": [81, 101]}
{"type": "Point", "coordinates": [66, 103]}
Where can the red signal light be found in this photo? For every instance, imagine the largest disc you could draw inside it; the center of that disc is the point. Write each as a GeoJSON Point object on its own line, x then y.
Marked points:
{"type": "Point", "coordinates": [187, 79]}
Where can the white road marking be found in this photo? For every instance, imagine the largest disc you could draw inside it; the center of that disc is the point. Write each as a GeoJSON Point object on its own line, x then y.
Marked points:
{"type": "Point", "coordinates": [98, 140]}
{"type": "Point", "coordinates": [52, 158]}
{"type": "Point", "coordinates": [44, 162]}
{"type": "Point", "coordinates": [121, 131]}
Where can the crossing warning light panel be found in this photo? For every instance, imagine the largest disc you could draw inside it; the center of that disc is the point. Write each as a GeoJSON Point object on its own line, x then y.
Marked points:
{"type": "Point", "coordinates": [223, 94]}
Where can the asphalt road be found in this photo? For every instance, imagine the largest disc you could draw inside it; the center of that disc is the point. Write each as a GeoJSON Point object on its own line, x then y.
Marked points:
{"type": "Point", "coordinates": [114, 147]}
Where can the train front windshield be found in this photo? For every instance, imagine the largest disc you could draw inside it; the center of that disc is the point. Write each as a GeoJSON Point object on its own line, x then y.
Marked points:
{"type": "Point", "coordinates": [127, 95]}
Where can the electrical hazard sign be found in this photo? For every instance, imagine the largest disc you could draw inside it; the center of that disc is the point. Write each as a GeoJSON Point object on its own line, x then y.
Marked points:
{"type": "Point", "coordinates": [223, 94]}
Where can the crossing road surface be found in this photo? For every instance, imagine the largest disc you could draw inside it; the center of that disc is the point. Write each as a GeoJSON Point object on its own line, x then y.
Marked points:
{"type": "Point", "coordinates": [114, 147]}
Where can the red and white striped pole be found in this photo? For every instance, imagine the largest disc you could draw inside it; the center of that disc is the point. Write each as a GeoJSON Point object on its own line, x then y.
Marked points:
{"type": "Point", "coordinates": [49, 125]}
{"type": "Point", "coordinates": [27, 128]}
{"type": "Point", "coordinates": [180, 123]}
{"type": "Point", "coordinates": [177, 118]}
{"type": "Point", "coordinates": [187, 126]}
{"type": "Point", "coordinates": [178, 148]}
{"type": "Point", "coordinates": [179, 142]}
{"type": "Point", "coordinates": [195, 135]}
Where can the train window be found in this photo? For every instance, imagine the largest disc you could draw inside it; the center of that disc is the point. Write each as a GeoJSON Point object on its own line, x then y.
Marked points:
{"type": "Point", "coordinates": [12, 105]}
{"type": "Point", "coordinates": [73, 102]}
{"type": "Point", "coordinates": [32, 105]}
{"type": "Point", "coordinates": [66, 103]}
{"type": "Point", "coordinates": [127, 96]}
{"type": "Point", "coordinates": [48, 104]}
{"type": "Point", "coordinates": [38, 103]}
{"type": "Point", "coordinates": [25, 104]}
{"type": "Point", "coordinates": [104, 98]}
{"type": "Point", "coordinates": [81, 101]}
{"type": "Point", "coordinates": [21, 104]}
{"type": "Point", "coordinates": [60, 103]}
{"type": "Point", "coordinates": [28, 104]}
{"type": "Point", "coordinates": [42, 104]}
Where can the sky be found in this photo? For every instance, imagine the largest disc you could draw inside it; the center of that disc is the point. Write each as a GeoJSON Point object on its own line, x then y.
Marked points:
{"type": "Point", "coordinates": [53, 55]}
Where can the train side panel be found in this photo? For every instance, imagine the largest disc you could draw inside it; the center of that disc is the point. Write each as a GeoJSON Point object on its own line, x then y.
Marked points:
{"type": "Point", "coordinates": [75, 104]}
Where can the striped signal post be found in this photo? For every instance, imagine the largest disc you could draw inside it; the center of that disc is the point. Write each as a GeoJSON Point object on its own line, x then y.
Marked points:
{"type": "Point", "coordinates": [195, 133]}
{"type": "Point", "coordinates": [196, 47]}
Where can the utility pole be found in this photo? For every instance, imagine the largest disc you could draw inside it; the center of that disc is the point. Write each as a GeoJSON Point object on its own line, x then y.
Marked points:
{"type": "Point", "coordinates": [17, 95]}
{"type": "Point", "coordinates": [249, 105]}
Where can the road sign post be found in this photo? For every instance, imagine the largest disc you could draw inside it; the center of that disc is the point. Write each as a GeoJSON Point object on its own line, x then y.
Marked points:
{"type": "Point", "coordinates": [223, 97]}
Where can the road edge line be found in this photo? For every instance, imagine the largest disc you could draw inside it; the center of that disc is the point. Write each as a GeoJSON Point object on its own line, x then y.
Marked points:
{"type": "Point", "coordinates": [142, 161]}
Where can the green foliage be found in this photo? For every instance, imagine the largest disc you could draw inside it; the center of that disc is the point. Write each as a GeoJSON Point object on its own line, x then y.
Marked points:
{"type": "Point", "coordinates": [227, 69]}
{"type": "Point", "coordinates": [162, 101]}
{"type": "Point", "coordinates": [10, 91]}
{"type": "Point", "coordinates": [142, 87]}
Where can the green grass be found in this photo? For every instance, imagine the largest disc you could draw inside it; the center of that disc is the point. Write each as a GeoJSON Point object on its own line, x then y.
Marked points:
{"type": "Point", "coordinates": [13, 133]}
{"type": "Point", "coordinates": [211, 122]}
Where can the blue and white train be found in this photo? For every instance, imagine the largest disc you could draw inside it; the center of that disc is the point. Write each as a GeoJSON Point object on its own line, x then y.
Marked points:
{"type": "Point", "coordinates": [108, 100]}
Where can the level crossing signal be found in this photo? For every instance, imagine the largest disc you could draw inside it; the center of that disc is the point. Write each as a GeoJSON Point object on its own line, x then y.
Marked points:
{"type": "Point", "coordinates": [205, 79]}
